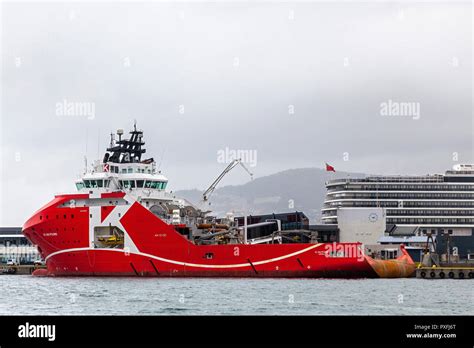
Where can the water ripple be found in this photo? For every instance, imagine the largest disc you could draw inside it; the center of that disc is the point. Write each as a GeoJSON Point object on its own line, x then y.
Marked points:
{"type": "Point", "coordinates": [25, 295]}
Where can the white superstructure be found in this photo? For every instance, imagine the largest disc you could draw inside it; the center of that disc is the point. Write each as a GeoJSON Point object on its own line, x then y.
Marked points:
{"type": "Point", "coordinates": [122, 169]}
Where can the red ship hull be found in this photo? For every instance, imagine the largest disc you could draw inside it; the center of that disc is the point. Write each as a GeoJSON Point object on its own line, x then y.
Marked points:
{"type": "Point", "coordinates": [64, 236]}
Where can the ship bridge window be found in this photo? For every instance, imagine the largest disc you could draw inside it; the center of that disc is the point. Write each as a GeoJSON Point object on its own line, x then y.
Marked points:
{"type": "Point", "coordinates": [157, 185]}
{"type": "Point", "coordinates": [124, 170]}
{"type": "Point", "coordinates": [127, 183]}
{"type": "Point", "coordinates": [140, 183]}
{"type": "Point", "coordinates": [94, 183]}
{"type": "Point", "coordinates": [150, 184]}
{"type": "Point", "coordinates": [80, 185]}
{"type": "Point", "coordinates": [130, 170]}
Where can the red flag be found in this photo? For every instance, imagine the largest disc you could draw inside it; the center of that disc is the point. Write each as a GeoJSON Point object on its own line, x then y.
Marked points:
{"type": "Point", "coordinates": [330, 168]}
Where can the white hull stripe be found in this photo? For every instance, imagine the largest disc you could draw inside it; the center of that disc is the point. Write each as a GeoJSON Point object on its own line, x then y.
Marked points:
{"type": "Point", "coordinates": [256, 263]}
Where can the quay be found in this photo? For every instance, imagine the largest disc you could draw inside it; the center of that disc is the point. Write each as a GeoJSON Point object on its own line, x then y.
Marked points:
{"type": "Point", "coordinates": [445, 272]}
{"type": "Point", "coordinates": [19, 269]}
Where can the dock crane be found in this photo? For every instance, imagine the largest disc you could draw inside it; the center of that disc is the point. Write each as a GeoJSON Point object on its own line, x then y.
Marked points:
{"type": "Point", "coordinates": [210, 190]}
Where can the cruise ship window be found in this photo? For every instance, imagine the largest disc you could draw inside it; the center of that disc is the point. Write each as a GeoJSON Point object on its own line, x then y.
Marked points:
{"type": "Point", "coordinates": [130, 170]}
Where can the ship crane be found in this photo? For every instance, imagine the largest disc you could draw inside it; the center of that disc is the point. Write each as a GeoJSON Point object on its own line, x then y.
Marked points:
{"type": "Point", "coordinates": [210, 190]}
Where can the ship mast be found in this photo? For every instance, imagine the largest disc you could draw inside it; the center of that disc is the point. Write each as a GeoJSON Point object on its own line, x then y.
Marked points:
{"type": "Point", "coordinates": [126, 150]}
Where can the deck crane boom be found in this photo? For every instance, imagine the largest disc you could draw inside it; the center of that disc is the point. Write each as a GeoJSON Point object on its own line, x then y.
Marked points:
{"type": "Point", "coordinates": [210, 190]}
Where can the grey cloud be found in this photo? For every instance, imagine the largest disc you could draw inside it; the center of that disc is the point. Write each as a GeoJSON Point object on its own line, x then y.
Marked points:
{"type": "Point", "coordinates": [185, 54]}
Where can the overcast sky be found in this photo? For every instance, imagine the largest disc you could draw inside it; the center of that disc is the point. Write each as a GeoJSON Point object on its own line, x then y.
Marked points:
{"type": "Point", "coordinates": [299, 84]}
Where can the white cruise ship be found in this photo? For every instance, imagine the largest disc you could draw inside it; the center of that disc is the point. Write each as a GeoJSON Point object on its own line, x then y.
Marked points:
{"type": "Point", "coordinates": [439, 203]}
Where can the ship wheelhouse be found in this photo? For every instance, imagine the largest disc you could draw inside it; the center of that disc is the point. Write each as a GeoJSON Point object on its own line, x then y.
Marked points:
{"type": "Point", "coordinates": [123, 169]}
{"type": "Point", "coordinates": [107, 182]}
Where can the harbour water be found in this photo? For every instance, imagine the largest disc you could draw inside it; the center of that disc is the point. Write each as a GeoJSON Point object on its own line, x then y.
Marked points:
{"type": "Point", "coordinates": [27, 295]}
